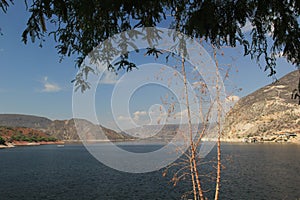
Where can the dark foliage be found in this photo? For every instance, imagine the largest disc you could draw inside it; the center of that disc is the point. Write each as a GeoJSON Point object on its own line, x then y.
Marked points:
{"type": "Point", "coordinates": [2, 141]}
{"type": "Point", "coordinates": [79, 26]}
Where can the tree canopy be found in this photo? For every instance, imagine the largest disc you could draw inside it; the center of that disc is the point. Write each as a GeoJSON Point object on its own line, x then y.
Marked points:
{"type": "Point", "coordinates": [2, 141]}
{"type": "Point", "coordinates": [78, 26]}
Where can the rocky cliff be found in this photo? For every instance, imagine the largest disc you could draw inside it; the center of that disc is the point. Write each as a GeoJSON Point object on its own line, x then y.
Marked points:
{"type": "Point", "coordinates": [267, 111]}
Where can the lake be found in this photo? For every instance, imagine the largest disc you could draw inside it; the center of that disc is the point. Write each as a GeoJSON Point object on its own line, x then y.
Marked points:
{"type": "Point", "coordinates": [252, 171]}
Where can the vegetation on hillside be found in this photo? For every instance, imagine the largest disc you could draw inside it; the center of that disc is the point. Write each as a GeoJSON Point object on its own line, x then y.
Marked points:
{"type": "Point", "coordinates": [2, 141]}
{"type": "Point", "coordinates": [10, 134]}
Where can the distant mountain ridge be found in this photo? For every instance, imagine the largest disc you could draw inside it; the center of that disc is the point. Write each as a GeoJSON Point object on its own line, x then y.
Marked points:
{"type": "Point", "coordinates": [269, 110]}
{"type": "Point", "coordinates": [166, 132]}
{"type": "Point", "coordinates": [66, 129]}
{"type": "Point", "coordinates": [61, 129]}
{"type": "Point", "coordinates": [158, 132]}
{"type": "Point", "coordinates": [28, 121]}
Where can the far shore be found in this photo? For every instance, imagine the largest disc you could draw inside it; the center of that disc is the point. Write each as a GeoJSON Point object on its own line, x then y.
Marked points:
{"type": "Point", "coordinates": [25, 143]}
{"type": "Point", "coordinates": [239, 140]}
{"type": "Point", "coordinates": [232, 140]}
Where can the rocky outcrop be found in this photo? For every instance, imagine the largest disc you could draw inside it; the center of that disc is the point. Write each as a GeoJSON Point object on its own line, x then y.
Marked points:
{"type": "Point", "coordinates": [266, 112]}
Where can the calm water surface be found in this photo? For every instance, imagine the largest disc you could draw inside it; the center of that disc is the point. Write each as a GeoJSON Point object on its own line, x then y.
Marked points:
{"type": "Point", "coordinates": [252, 171]}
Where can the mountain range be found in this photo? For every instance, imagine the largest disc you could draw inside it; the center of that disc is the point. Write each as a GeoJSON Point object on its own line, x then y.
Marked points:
{"type": "Point", "coordinates": [270, 110]}
{"type": "Point", "coordinates": [61, 129]}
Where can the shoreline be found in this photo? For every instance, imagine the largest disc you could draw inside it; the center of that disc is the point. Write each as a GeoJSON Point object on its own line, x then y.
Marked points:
{"type": "Point", "coordinates": [237, 140]}
{"type": "Point", "coordinates": [24, 143]}
{"type": "Point", "coordinates": [62, 142]}
{"type": "Point", "coordinates": [234, 141]}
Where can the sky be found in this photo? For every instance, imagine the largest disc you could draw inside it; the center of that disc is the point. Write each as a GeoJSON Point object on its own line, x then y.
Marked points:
{"type": "Point", "coordinates": [34, 81]}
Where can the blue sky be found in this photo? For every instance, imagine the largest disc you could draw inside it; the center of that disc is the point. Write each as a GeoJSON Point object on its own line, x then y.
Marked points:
{"type": "Point", "coordinates": [33, 81]}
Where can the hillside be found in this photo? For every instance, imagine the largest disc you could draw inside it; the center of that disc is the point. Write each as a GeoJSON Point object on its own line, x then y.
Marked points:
{"type": "Point", "coordinates": [29, 121]}
{"type": "Point", "coordinates": [66, 130]}
{"type": "Point", "coordinates": [155, 132]}
{"type": "Point", "coordinates": [266, 112]}
{"type": "Point", "coordinates": [10, 134]}
{"type": "Point", "coordinates": [60, 129]}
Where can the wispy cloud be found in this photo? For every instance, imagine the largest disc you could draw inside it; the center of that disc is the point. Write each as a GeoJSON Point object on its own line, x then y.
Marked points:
{"type": "Point", "coordinates": [138, 114]}
{"type": "Point", "coordinates": [108, 78]}
{"type": "Point", "coordinates": [247, 28]}
{"type": "Point", "coordinates": [50, 86]}
{"type": "Point", "coordinates": [139, 118]}
{"type": "Point", "coordinates": [142, 117]}
{"type": "Point", "coordinates": [123, 118]}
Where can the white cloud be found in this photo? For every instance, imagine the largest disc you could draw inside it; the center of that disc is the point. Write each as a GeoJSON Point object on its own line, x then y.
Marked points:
{"type": "Point", "coordinates": [155, 116]}
{"type": "Point", "coordinates": [181, 114]}
{"type": "Point", "coordinates": [50, 86]}
{"type": "Point", "coordinates": [106, 76]}
{"type": "Point", "coordinates": [109, 78]}
{"type": "Point", "coordinates": [123, 118]}
{"type": "Point", "coordinates": [140, 118]}
{"type": "Point", "coordinates": [125, 122]}
{"type": "Point", "coordinates": [247, 28]}
{"type": "Point", "coordinates": [138, 114]}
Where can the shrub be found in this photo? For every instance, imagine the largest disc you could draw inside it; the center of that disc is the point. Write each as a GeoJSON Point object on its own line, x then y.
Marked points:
{"type": "Point", "coordinates": [2, 141]}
